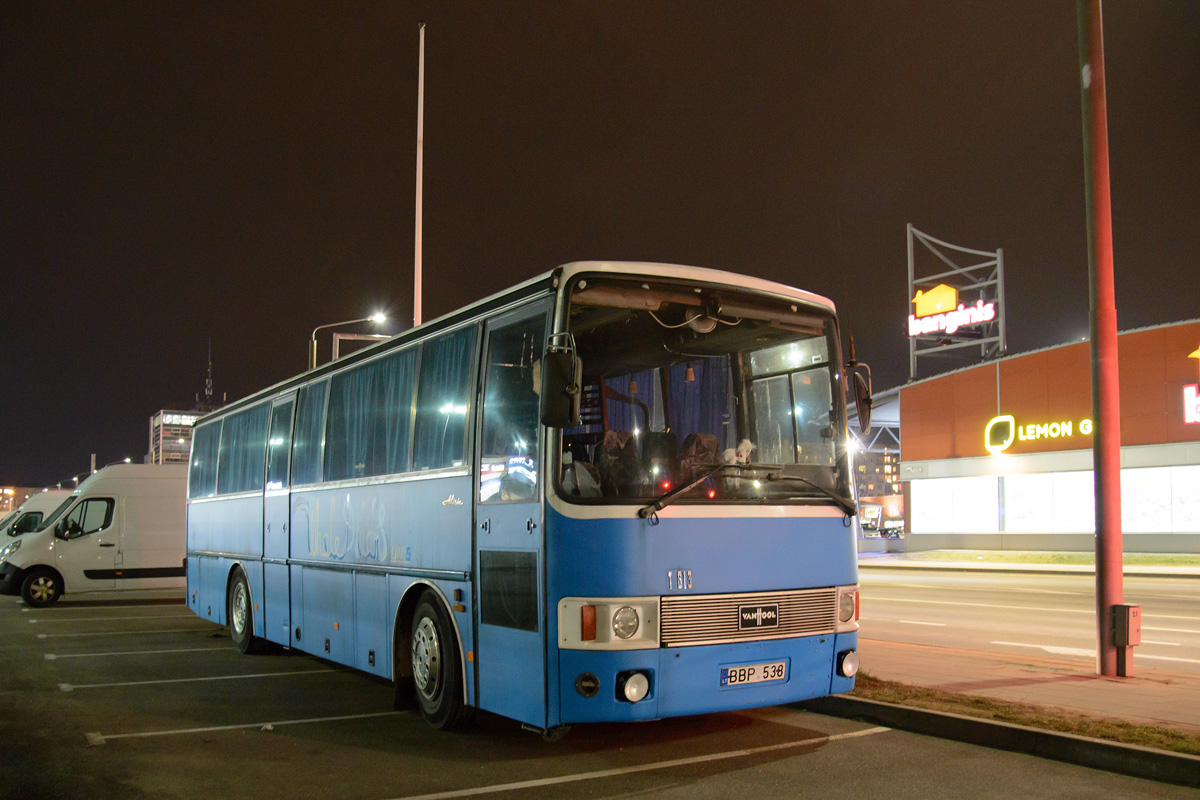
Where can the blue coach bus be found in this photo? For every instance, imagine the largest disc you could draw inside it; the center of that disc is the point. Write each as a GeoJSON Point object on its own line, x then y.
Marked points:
{"type": "Point", "coordinates": [618, 491]}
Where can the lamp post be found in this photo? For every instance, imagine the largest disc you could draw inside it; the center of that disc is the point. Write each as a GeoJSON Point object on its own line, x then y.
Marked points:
{"type": "Point", "coordinates": [312, 343]}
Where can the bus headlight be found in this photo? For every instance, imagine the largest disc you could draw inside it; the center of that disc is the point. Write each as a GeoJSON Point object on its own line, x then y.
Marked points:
{"type": "Point", "coordinates": [847, 609]}
{"type": "Point", "coordinates": [625, 622]}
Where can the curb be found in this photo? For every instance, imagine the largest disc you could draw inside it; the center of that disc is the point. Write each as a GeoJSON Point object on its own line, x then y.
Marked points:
{"type": "Point", "coordinates": [1127, 759]}
{"type": "Point", "coordinates": [1020, 570]}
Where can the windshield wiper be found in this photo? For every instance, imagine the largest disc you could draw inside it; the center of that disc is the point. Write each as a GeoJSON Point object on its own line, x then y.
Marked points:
{"type": "Point", "coordinates": [669, 497]}
{"type": "Point", "coordinates": [845, 505]}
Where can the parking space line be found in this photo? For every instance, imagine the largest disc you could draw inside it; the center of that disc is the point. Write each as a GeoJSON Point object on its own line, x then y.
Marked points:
{"type": "Point", "coordinates": [118, 633]}
{"type": "Point", "coordinates": [114, 619]}
{"type": "Point", "coordinates": [70, 687]}
{"type": "Point", "coordinates": [57, 656]}
{"type": "Point", "coordinates": [57, 608]}
{"type": "Point", "coordinates": [101, 738]}
{"type": "Point", "coordinates": [657, 765]}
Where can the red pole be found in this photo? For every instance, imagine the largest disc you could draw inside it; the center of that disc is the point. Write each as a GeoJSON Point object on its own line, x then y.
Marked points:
{"type": "Point", "coordinates": [1106, 404]}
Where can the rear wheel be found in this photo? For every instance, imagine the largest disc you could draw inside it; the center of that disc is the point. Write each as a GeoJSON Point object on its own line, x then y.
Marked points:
{"type": "Point", "coordinates": [41, 587]}
{"type": "Point", "coordinates": [437, 673]}
{"type": "Point", "coordinates": [239, 616]}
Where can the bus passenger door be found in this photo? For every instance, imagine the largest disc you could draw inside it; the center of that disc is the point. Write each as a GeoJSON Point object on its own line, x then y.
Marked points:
{"type": "Point", "coordinates": [276, 601]}
{"type": "Point", "coordinates": [510, 658]}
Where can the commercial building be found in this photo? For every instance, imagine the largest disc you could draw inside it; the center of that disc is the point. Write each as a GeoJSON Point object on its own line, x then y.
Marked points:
{"type": "Point", "coordinates": [171, 436]}
{"type": "Point", "coordinates": [998, 455]}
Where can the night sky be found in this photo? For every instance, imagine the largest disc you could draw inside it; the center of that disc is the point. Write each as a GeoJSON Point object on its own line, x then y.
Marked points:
{"type": "Point", "coordinates": [242, 171]}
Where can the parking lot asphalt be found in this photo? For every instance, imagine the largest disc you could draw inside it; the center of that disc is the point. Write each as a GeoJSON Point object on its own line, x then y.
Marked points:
{"type": "Point", "coordinates": [138, 698]}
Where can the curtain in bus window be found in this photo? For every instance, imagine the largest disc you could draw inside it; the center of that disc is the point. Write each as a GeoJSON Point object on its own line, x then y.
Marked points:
{"type": "Point", "coordinates": [702, 404]}
{"type": "Point", "coordinates": [306, 440]}
{"type": "Point", "coordinates": [202, 474]}
{"type": "Point", "coordinates": [242, 458]}
{"type": "Point", "coordinates": [348, 429]}
{"type": "Point", "coordinates": [395, 417]}
{"type": "Point", "coordinates": [442, 400]}
{"type": "Point", "coordinates": [631, 399]}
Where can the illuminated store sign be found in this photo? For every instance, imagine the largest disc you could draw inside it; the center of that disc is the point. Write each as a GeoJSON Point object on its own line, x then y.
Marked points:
{"type": "Point", "coordinates": [1191, 398]}
{"type": "Point", "coordinates": [1002, 431]}
{"type": "Point", "coordinates": [939, 310]}
{"type": "Point", "coordinates": [179, 419]}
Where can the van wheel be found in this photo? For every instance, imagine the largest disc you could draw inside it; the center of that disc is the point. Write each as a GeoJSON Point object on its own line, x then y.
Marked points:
{"type": "Point", "coordinates": [239, 616]}
{"type": "Point", "coordinates": [437, 674]}
{"type": "Point", "coordinates": [41, 587]}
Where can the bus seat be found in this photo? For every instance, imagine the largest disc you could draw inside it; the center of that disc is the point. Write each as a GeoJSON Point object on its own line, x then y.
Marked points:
{"type": "Point", "coordinates": [618, 464]}
{"type": "Point", "coordinates": [701, 452]}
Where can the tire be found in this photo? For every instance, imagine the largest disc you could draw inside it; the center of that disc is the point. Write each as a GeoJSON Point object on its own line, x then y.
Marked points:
{"type": "Point", "coordinates": [437, 672]}
{"type": "Point", "coordinates": [42, 587]}
{"type": "Point", "coordinates": [239, 616]}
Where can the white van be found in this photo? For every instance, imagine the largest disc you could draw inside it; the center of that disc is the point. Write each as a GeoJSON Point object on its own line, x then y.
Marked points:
{"type": "Point", "coordinates": [29, 516]}
{"type": "Point", "coordinates": [123, 528]}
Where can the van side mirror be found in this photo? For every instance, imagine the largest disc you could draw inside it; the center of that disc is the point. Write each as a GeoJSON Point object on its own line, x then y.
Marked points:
{"type": "Point", "coordinates": [60, 529]}
{"type": "Point", "coordinates": [561, 391]}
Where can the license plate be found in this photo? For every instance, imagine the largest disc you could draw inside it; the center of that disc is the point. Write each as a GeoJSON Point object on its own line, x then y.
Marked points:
{"type": "Point", "coordinates": [754, 673]}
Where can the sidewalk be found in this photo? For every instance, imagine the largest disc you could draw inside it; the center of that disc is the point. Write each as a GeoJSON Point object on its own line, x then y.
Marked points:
{"type": "Point", "coordinates": [1151, 697]}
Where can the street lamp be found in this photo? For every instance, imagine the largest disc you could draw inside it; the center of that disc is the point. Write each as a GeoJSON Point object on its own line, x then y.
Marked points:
{"type": "Point", "coordinates": [312, 344]}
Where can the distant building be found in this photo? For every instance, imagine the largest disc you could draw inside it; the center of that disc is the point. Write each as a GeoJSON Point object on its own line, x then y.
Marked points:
{"type": "Point", "coordinates": [171, 436]}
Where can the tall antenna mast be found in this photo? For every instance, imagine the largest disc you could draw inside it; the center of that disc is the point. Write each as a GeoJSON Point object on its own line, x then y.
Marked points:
{"type": "Point", "coordinates": [420, 161]}
{"type": "Point", "coordinates": [208, 383]}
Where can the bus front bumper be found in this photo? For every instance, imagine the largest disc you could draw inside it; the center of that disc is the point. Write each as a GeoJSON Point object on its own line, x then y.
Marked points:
{"type": "Point", "coordinates": [701, 679]}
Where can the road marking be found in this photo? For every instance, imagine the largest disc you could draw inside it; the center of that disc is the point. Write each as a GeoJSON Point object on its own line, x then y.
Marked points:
{"type": "Point", "coordinates": [100, 738]}
{"type": "Point", "coordinates": [1050, 648]}
{"type": "Point", "coordinates": [1140, 656]}
{"type": "Point", "coordinates": [56, 656]}
{"type": "Point", "coordinates": [982, 605]}
{"type": "Point", "coordinates": [1169, 630]}
{"type": "Point", "coordinates": [657, 765]}
{"type": "Point", "coordinates": [919, 622]}
{"type": "Point", "coordinates": [118, 633]}
{"type": "Point", "coordinates": [68, 607]}
{"type": "Point", "coordinates": [114, 619]}
{"type": "Point", "coordinates": [1171, 644]}
{"type": "Point", "coordinates": [70, 687]}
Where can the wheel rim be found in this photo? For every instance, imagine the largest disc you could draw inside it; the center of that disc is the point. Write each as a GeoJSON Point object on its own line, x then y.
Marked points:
{"type": "Point", "coordinates": [239, 609]}
{"type": "Point", "coordinates": [427, 658]}
{"type": "Point", "coordinates": [42, 589]}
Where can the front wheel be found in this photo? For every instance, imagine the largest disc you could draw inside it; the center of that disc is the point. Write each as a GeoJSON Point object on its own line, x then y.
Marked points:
{"type": "Point", "coordinates": [241, 620]}
{"type": "Point", "coordinates": [437, 674]}
{"type": "Point", "coordinates": [41, 587]}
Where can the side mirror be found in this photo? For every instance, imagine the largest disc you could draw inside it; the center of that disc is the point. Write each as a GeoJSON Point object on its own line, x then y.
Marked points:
{"type": "Point", "coordinates": [562, 375]}
{"type": "Point", "coordinates": [60, 529]}
{"type": "Point", "coordinates": [862, 400]}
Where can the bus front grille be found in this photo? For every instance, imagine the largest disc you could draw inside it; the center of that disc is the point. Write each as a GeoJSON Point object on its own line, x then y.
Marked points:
{"type": "Point", "coordinates": [718, 618]}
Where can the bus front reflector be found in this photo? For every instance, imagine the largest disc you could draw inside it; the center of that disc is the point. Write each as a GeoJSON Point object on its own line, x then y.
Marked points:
{"type": "Point", "coordinates": [587, 623]}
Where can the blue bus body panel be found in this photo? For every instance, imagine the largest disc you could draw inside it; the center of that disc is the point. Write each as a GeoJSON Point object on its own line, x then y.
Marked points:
{"type": "Point", "coordinates": [631, 557]}
{"type": "Point", "coordinates": [725, 555]}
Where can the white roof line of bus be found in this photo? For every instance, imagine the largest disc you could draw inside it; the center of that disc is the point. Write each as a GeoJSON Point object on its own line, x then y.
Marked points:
{"type": "Point", "coordinates": [694, 273]}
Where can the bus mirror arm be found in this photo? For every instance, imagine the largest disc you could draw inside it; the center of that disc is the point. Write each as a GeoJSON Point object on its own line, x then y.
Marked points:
{"type": "Point", "coordinates": [561, 390]}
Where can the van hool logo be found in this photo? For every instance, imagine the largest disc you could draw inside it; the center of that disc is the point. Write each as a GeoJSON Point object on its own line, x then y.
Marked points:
{"type": "Point", "coordinates": [758, 616]}
{"type": "Point", "coordinates": [939, 310]}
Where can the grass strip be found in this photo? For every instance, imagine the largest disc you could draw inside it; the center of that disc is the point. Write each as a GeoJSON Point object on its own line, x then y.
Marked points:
{"type": "Point", "coordinates": [1034, 716]}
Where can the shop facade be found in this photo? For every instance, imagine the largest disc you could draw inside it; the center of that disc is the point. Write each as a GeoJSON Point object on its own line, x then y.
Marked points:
{"type": "Point", "coordinates": [998, 456]}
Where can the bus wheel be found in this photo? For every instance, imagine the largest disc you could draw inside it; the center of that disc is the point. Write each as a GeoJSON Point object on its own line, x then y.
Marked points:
{"type": "Point", "coordinates": [437, 675]}
{"type": "Point", "coordinates": [241, 621]}
{"type": "Point", "coordinates": [41, 587]}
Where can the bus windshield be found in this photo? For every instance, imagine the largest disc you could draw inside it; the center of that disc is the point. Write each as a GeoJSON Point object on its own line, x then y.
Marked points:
{"type": "Point", "coordinates": [680, 379]}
